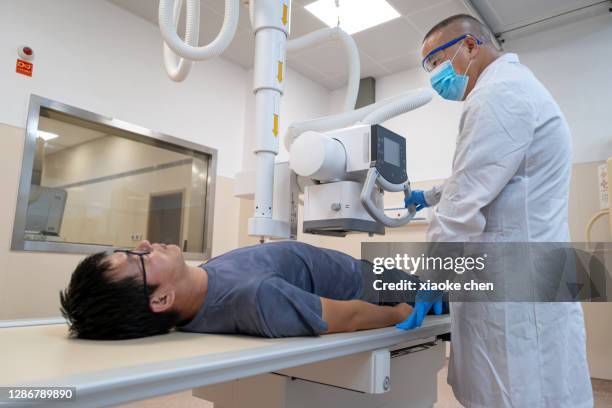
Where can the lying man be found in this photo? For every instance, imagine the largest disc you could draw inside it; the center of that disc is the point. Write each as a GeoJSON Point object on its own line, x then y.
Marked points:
{"type": "Point", "coordinates": [273, 290]}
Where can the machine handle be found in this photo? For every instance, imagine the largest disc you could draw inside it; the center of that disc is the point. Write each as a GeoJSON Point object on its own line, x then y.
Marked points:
{"type": "Point", "coordinates": [372, 180]}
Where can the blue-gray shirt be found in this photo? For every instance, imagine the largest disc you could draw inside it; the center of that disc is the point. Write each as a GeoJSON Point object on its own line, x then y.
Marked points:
{"type": "Point", "coordinates": [274, 289]}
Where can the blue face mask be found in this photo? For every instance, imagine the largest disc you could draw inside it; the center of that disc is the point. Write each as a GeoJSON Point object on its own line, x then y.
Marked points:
{"type": "Point", "coordinates": [445, 80]}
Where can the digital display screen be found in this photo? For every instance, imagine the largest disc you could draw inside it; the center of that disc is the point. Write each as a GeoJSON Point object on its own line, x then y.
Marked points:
{"type": "Point", "coordinates": [391, 152]}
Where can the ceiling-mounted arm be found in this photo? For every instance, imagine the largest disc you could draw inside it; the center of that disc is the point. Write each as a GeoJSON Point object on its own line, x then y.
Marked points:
{"type": "Point", "coordinates": [396, 105]}
{"type": "Point", "coordinates": [375, 180]}
{"type": "Point", "coordinates": [352, 53]}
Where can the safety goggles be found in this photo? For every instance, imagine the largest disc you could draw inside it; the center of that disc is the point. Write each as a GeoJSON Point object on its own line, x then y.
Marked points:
{"type": "Point", "coordinates": [434, 57]}
{"type": "Point", "coordinates": [141, 255]}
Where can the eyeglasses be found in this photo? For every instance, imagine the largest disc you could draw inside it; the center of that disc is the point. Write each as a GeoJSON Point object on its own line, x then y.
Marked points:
{"type": "Point", "coordinates": [141, 255]}
{"type": "Point", "coordinates": [432, 59]}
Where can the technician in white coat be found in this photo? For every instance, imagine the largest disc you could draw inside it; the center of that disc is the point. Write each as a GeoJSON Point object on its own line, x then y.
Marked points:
{"type": "Point", "coordinates": [510, 182]}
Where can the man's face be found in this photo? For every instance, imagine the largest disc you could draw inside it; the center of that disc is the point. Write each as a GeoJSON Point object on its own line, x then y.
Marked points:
{"type": "Point", "coordinates": [460, 53]}
{"type": "Point", "coordinates": [163, 265]}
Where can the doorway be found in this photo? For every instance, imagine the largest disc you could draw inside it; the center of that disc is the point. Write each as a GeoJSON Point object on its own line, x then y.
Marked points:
{"type": "Point", "coordinates": [165, 218]}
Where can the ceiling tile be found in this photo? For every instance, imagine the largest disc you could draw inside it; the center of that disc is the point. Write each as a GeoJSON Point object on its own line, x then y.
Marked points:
{"type": "Point", "coordinates": [409, 60]}
{"type": "Point", "coordinates": [333, 83]}
{"type": "Point", "coordinates": [305, 70]}
{"type": "Point", "coordinates": [412, 6]}
{"type": "Point", "coordinates": [384, 49]}
{"type": "Point", "coordinates": [330, 60]}
{"type": "Point", "coordinates": [242, 50]}
{"type": "Point", "coordinates": [427, 18]}
{"type": "Point", "coordinates": [370, 67]}
{"type": "Point", "coordinates": [210, 24]}
{"type": "Point", "coordinates": [218, 6]}
{"type": "Point", "coordinates": [142, 8]}
{"type": "Point", "coordinates": [327, 58]}
{"type": "Point", "coordinates": [303, 22]}
{"type": "Point", "coordinates": [389, 40]}
{"type": "Point", "coordinates": [210, 19]}
{"type": "Point", "coordinates": [373, 70]}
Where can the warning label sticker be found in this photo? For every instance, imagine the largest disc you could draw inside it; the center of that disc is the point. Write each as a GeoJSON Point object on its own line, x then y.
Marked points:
{"type": "Point", "coordinates": [24, 67]}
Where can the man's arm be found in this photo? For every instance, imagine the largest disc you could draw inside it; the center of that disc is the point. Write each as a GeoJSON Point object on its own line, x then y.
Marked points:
{"type": "Point", "coordinates": [433, 195]}
{"type": "Point", "coordinates": [351, 315]}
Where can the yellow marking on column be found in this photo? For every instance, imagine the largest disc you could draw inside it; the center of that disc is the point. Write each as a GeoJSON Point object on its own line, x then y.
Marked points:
{"type": "Point", "coordinates": [279, 74]}
{"type": "Point", "coordinates": [275, 130]}
{"type": "Point", "coordinates": [285, 12]}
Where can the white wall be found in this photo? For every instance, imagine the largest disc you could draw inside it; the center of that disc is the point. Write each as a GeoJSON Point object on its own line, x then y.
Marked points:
{"type": "Point", "coordinates": [302, 99]}
{"type": "Point", "coordinates": [574, 62]}
{"type": "Point", "coordinates": [336, 101]}
{"type": "Point", "coordinates": [96, 56]}
{"type": "Point", "coordinates": [430, 131]}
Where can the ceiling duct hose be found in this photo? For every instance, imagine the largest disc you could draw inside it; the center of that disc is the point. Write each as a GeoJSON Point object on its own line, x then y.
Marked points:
{"type": "Point", "coordinates": [589, 226]}
{"type": "Point", "coordinates": [347, 118]}
{"type": "Point", "coordinates": [168, 17]}
{"type": "Point", "coordinates": [352, 52]}
{"type": "Point", "coordinates": [407, 103]}
{"type": "Point", "coordinates": [178, 68]}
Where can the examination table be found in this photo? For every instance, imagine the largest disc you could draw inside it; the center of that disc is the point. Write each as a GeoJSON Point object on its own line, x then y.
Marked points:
{"type": "Point", "coordinates": [373, 368]}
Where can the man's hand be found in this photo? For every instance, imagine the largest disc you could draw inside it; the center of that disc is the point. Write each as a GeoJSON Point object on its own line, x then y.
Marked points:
{"type": "Point", "coordinates": [425, 300]}
{"type": "Point", "coordinates": [416, 198]}
{"type": "Point", "coordinates": [404, 310]}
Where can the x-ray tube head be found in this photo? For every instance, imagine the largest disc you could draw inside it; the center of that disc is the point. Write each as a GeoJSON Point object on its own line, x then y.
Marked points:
{"type": "Point", "coordinates": [318, 157]}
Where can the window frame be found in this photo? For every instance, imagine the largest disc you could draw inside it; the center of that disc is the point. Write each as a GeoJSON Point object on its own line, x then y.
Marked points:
{"type": "Point", "coordinates": [139, 133]}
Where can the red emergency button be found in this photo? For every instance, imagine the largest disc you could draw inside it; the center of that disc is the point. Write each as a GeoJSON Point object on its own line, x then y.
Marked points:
{"type": "Point", "coordinates": [26, 53]}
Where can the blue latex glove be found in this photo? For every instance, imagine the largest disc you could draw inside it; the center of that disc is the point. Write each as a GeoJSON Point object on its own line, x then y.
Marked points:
{"type": "Point", "coordinates": [417, 198]}
{"type": "Point", "coordinates": [424, 301]}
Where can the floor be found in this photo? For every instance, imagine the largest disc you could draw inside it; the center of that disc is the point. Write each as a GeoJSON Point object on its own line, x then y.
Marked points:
{"type": "Point", "coordinates": [602, 390]}
{"type": "Point", "coordinates": [446, 399]}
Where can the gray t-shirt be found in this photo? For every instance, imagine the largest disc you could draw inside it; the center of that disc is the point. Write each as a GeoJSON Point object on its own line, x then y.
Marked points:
{"type": "Point", "coordinates": [274, 289]}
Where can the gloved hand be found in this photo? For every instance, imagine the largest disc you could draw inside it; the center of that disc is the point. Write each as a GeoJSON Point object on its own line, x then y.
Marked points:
{"type": "Point", "coordinates": [417, 198]}
{"type": "Point", "coordinates": [425, 300]}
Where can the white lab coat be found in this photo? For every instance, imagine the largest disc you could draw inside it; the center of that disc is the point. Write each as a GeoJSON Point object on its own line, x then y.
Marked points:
{"type": "Point", "coordinates": [510, 182]}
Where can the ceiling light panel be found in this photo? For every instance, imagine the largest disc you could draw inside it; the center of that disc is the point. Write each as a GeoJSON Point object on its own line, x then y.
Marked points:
{"type": "Point", "coordinates": [353, 15]}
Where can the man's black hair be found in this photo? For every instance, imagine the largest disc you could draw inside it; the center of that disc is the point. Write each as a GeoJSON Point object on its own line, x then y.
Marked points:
{"type": "Point", "coordinates": [99, 308]}
{"type": "Point", "coordinates": [480, 30]}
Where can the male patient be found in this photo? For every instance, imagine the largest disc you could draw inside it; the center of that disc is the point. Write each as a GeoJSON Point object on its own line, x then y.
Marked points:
{"type": "Point", "coordinates": [273, 290]}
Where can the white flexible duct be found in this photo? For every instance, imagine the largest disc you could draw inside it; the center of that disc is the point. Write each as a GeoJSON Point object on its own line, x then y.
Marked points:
{"type": "Point", "coordinates": [178, 68]}
{"type": "Point", "coordinates": [343, 119]}
{"type": "Point", "coordinates": [589, 226]}
{"type": "Point", "coordinates": [336, 33]}
{"type": "Point", "coordinates": [188, 51]}
{"type": "Point", "coordinates": [411, 101]}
